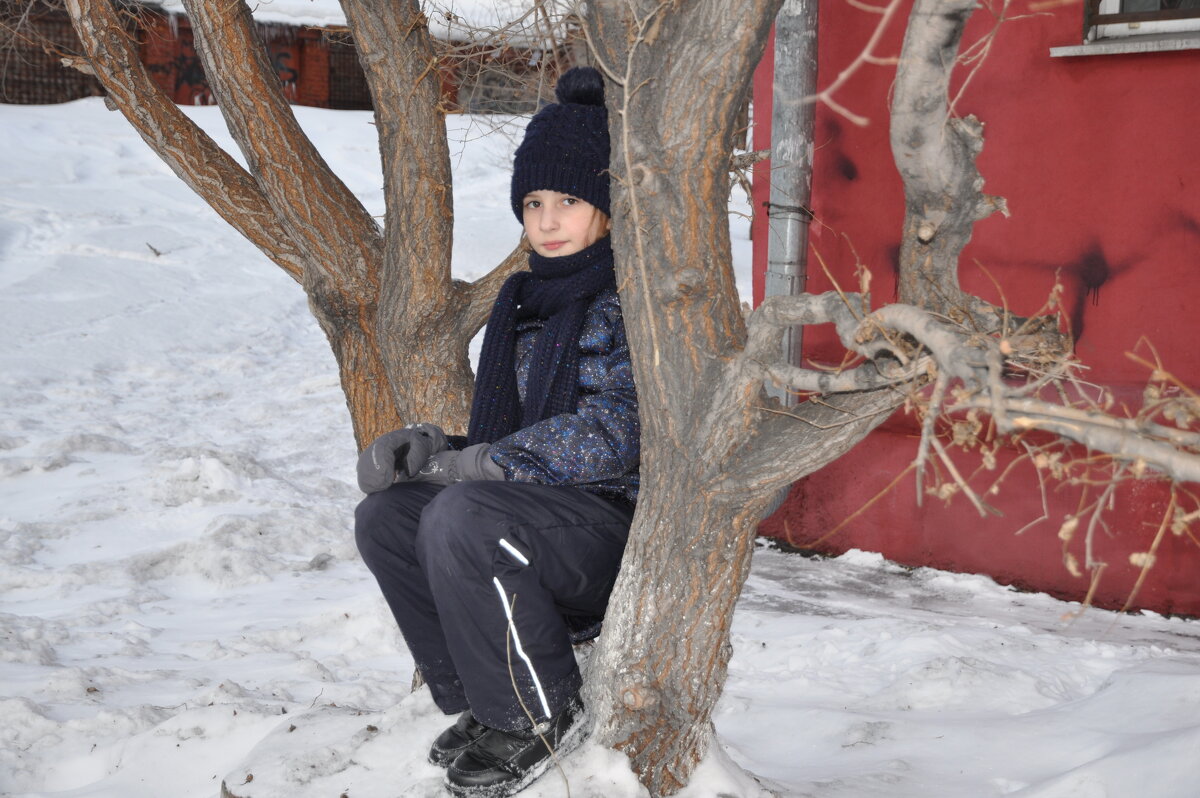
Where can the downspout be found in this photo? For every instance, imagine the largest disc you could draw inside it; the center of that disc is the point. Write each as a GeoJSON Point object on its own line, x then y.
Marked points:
{"type": "Point", "coordinates": [792, 117]}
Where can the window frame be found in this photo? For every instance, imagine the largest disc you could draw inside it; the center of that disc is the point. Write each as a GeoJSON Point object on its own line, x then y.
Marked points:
{"type": "Point", "coordinates": [1103, 20]}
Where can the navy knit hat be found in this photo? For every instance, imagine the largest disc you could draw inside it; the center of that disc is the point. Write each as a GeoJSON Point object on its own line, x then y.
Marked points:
{"type": "Point", "coordinates": [566, 144]}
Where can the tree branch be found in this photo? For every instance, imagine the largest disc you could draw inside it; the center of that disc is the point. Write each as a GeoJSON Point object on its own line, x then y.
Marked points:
{"type": "Point", "coordinates": [787, 445]}
{"type": "Point", "coordinates": [935, 155]}
{"type": "Point", "coordinates": [397, 56]}
{"type": "Point", "coordinates": [478, 297]}
{"type": "Point", "coordinates": [315, 206]}
{"type": "Point", "coordinates": [1122, 438]}
{"type": "Point", "coordinates": [763, 356]}
{"type": "Point", "coordinates": [958, 354]}
{"type": "Point", "coordinates": [977, 361]}
{"type": "Point", "coordinates": [184, 147]}
{"type": "Point", "coordinates": [766, 322]}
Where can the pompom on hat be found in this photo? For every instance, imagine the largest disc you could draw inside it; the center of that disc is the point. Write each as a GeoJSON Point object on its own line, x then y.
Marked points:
{"type": "Point", "coordinates": [566, 144]}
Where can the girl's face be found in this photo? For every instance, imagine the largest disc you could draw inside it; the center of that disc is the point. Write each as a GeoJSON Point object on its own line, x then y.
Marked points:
{"type": "Point", "coordinates": [558, 224]}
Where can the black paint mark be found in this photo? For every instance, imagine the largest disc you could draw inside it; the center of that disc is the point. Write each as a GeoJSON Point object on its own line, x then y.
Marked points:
{"type": "Point", "coordinates": [279, 62]}
{"type": "Point", "coordinates": [893, 259]}
{"type": "Point", "coordinates": [846, 167]}
{"type": "Point", "coordinates": [190, 73]}
{"type": "Point", "coordinates": [1187, 223]}
{"type": "Point", "coordinates": [1089, 273]}
{"type": "Point", "coordinates": [1093, 273]}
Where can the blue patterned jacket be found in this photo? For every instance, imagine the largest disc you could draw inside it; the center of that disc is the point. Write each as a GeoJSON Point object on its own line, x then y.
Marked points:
{"type": "Point", "coordinates": [597, 448]}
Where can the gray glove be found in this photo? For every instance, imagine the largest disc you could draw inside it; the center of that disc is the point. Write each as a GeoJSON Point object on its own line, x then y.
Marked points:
{"type": "Point", "coordinates": [472, 463]}
{"type": "Point", "coordinates": [398, 455]}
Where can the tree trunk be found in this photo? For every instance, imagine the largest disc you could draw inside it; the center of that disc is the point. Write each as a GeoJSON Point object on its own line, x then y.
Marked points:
{"type": "Point", "coordinates": [714, 449]}
{"type": "Point", "coordinates": [661, 664]}
{"type": "Point", "coordinates": [422, 350]}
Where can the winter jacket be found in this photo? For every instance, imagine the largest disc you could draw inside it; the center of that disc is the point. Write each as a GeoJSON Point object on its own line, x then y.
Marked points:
{"type": "Point", "coordinates": [597, 448]}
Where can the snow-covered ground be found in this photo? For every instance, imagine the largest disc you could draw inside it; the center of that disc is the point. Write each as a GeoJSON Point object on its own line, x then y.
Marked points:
{"type": "Point", "coordinates": [181, 603]}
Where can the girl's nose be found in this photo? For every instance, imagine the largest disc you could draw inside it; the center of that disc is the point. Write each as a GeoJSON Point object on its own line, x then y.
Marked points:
{"type": "Point", "coordinates": [548, 219]}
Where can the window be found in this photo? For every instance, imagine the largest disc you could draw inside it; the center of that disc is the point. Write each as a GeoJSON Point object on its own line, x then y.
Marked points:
{"type": "Point", "coordinates": [1108, 19]}
{"type": "Point", "coordinates": [1136, 26]}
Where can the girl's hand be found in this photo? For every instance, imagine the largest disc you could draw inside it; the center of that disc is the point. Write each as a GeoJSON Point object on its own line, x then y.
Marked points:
{"type": "Point", "coordinates": [472, 463]}
{"type": "Point", "coordinates": [398, 455]}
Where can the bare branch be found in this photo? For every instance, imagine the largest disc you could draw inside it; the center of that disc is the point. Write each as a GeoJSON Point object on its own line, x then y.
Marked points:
{"type": "Point", "coordinates": [187, 150]}
{"type": "Point", "coordinates": [1121, 438]}
{"type": "Point", "coordinates": [977, 361]}
{"type": "Point", "coordinates": [766, 322]}
{"type": "Point", "coordinates": [867, 377]}
{"type": "Point", "coordinates": [398, 58]}
{"type": "Point", "coordinates": [983, 508]}
{"type": "Point", "coordinates": [928, 431]}
{"type": "Point", "coordinates": [783, 450]}
{"type": "Point", "coordinates": [866, 56]}
{"type": "Point", "coordinates": [322, 215]}
{"type": "Point", "coordinates": [1146, 559]}
{"type": "Point", "coordinates": [479, 296]}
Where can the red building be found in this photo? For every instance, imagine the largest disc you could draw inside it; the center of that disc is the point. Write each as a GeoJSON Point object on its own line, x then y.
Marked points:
{"type": "Point", "coordinates": [1093, 146]}
{"type": "Point", "coordinates": [318, 66]}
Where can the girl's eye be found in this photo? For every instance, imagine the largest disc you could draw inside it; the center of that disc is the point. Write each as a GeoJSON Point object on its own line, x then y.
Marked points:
{"type": "Point", "coordinates": [569, 201]}
{"type": "Point", "coordinates": [533, 204]}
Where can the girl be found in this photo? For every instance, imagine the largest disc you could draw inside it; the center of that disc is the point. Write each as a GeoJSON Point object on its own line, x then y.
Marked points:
{"type": "Point", "coordinates": [497, 551]}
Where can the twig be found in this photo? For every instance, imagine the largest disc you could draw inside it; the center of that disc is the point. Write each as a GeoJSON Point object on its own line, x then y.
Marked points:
{"type": "Point", "coordinates": [862, 508]}
{"type": "Point", "coordinates": [928, 433]}
{"type": "Point", "coordinates": [865, 56]}
{"type": "Point", "coordinates": [512, 677]}
{"type": "Point", "coordinates": [1149, 558]}
{"type": "Point", "coordinates": [1041, 487]}
{"type": "Point", "coordinates": [983, 508]}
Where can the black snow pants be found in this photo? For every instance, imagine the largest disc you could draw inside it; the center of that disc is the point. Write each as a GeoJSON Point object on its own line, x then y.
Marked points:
{"type": "Point", "coordinates": [480, 575]}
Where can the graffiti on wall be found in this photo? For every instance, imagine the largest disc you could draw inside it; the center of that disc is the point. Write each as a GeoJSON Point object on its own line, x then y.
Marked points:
{"type": "Point", "coordinates": [281, 62]}
{"type": "Point", "coordinates": [191, 87]}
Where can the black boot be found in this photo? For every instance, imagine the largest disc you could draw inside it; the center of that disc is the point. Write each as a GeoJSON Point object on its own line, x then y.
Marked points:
{"type": "Point", "coordinates": [501, 763]}
{"type": "Point", "coordinates": [456, 739]}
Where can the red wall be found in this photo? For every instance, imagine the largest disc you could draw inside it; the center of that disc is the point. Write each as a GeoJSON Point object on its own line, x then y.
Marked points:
{"type": "Point", "coordinates": [300, 58]}
{"type": "Point", "coordinates": [1096, 157]}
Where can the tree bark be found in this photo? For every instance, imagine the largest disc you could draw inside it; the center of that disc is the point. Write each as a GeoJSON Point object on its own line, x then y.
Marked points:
{"type": "Point", "coordinates": [397, 56]}
{"type": "Point", "coordinates": [935, 153]}
{"type": "Point", "coordinates": [342, 242]}
{"type": "Point", "coordinates": [714, 448]}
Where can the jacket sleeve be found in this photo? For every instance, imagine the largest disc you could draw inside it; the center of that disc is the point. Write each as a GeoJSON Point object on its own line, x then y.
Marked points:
{"type": "Point", "coordinates": [601, 441]}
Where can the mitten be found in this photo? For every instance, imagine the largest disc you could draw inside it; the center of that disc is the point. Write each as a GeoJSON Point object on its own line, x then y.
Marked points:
{"type": "Point", "coordinates": [397, 455]}
{"type": "Point", "coordinates": [472, 463]}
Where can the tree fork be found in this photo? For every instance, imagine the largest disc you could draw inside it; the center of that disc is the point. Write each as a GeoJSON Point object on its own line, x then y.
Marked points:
{"type": "Point", "coordinates": [418, 230]}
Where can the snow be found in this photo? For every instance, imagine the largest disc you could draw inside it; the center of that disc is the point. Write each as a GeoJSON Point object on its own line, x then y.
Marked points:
{"type": "Point", "coordinates": [181, 603]}
{"type": "Point", "coordinates": [453, 20]}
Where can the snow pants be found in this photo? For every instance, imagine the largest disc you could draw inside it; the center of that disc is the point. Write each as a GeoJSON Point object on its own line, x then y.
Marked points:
{"type": "Point", "coordinates": [479, 577]}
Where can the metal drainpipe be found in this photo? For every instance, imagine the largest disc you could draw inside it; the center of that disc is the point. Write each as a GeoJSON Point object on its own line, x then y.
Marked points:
{"type": "Point", "coordinates": [791, 161]}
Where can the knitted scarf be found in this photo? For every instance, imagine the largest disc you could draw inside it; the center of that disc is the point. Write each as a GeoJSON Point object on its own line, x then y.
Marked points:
{"type": "Point", "coordinates": [557, 291]}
